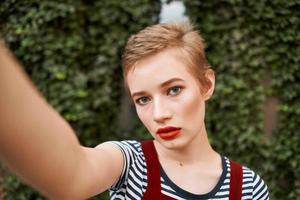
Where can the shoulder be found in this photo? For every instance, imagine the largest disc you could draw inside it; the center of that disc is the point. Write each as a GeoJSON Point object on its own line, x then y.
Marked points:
{"type": "Point", "coordinates": [133, 177]}
{"type": "Point", "coordinates": [253, 186]}
{"type": "Point", "coordinates": [257, 184]}
{"type": "Point", "coordinates": [132, 154]}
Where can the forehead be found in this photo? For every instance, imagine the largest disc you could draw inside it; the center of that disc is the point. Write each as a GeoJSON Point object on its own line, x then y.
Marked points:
{"type": "Point", "coordinates": [152, 71]}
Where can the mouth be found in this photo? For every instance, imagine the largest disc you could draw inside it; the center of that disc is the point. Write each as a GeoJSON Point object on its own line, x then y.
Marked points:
{"type": "Point", "coordinates": [168, 133]}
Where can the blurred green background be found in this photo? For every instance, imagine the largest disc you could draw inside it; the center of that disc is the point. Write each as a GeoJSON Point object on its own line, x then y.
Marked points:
{"type": "Point", "coordinates": [72, 51]}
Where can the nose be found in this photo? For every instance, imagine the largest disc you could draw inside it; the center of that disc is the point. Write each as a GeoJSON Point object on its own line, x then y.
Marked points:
{"type": "Point", "coordinates": [161, 112]}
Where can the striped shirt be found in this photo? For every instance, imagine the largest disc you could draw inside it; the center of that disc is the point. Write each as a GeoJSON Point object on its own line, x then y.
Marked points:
{"type": "Point", "coordinates": [132, 183]}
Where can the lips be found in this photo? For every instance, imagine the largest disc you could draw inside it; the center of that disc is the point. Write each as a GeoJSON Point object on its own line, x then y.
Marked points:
{"type": "Point", "coordinates": [168, 132]}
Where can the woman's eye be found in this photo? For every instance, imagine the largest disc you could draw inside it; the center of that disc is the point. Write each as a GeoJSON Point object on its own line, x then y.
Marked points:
{"type": "Point", "coordinates": [142, 100]}
{"type": "Point", "coordinates": [174, 90]}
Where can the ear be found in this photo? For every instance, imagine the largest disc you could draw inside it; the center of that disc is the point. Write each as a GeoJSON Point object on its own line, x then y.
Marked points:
{"type": "Point", "coordinates": [210, 84]}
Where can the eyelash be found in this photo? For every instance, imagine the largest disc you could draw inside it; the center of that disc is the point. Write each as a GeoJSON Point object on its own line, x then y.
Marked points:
{"type": "Point", "coordinates": [168, 91]}
{"type": "Point", "coordinates": [138, 101]}
{"type": "Point", "coordinates": [175, 87]}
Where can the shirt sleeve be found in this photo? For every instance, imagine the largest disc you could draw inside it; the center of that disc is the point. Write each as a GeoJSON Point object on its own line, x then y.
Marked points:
{"type": "Point", "coordinates": [260, 189]}
{"type": "Point", "coordinates": [130, 152]}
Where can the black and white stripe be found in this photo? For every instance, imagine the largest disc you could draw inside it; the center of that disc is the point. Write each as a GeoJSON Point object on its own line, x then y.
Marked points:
{"type": "Point", "coordinates": [133, 181]}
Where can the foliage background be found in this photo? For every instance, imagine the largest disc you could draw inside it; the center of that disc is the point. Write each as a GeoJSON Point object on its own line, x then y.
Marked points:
{"type": "Point", "coordinates": [254, 48]}
{"type": "Point", "coordinates": [72, 52]}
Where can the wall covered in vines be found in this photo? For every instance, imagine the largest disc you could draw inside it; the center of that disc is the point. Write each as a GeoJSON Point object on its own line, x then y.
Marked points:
{"type": "Point", "coordinates": [71, 50]}
{"type": "Point", "coordinates": [254, 115]}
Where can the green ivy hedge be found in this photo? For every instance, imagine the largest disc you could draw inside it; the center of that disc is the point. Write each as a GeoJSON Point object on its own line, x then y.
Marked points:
{"type": "Point", "coordinates": [254, 48]}
{"type": "Point", "coordinates": [71, 50]}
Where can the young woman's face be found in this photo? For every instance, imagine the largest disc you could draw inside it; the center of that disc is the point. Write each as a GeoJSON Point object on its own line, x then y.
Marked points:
{"type": "Point", "coordinates": [165, 94]}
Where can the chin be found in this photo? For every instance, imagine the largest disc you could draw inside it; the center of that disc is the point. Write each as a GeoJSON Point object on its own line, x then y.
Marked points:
{"type": "Point", "coordinates": [176, 143]}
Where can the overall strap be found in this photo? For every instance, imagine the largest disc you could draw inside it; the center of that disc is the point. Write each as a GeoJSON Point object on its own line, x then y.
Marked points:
{"type": "Point", "coordinates": [236, 181]}
{"type": "Point", "coordinates": [153, 169]}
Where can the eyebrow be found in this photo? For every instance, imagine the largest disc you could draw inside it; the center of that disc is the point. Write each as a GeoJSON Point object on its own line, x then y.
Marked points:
{"type": "Point", "coordinates": [161, 86]}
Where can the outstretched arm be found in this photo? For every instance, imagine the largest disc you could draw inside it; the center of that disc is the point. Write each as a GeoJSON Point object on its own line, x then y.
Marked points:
{"type": "Point", "coordinates": [41, 147]}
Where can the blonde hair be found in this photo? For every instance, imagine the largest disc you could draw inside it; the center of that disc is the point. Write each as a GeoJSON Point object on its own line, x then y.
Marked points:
{"type": "Point", "coordinates": [157, 38]}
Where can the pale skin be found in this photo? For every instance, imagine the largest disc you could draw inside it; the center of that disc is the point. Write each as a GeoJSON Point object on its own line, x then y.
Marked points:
{"type": "Point", "coordinates": [188, 159]}
{"type": "Point", "coordinates": [41, 147]}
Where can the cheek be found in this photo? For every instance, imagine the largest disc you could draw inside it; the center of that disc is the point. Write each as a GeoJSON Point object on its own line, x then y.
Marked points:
{"type": "Point", "coordinates": [142, 114]}
{"type": "Point", "coordinates": [192, 108]}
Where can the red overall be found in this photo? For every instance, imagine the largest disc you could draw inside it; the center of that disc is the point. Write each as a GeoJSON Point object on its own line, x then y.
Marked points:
{"type": "Point", "coordinates": [153, 191]}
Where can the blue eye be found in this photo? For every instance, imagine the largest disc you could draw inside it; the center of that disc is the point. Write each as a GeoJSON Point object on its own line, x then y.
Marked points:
{"type": "Point", "coordinates": [142, 101]}
{"type": "Point", "coordinates": [174, 90]}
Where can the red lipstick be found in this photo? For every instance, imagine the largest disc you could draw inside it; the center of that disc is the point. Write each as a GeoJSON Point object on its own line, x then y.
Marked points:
{"type": "Point", "coordinates": [168, 133]}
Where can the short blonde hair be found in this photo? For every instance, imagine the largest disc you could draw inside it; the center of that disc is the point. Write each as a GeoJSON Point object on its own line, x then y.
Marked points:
{"type": "Point", "coordinates": [157, 38]}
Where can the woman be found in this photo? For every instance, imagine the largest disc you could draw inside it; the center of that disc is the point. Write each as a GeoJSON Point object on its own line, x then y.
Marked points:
{"type": "Point", "coordinates": [169, 80]}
